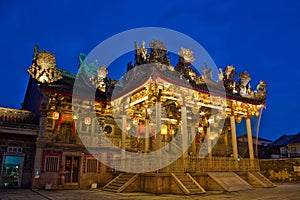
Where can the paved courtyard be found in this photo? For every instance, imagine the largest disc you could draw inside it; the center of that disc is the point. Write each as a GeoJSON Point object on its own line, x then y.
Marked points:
{"type": "Point", "coordinates": [282, 191]}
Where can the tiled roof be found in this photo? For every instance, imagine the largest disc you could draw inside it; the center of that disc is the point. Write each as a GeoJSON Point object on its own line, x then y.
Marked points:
{"type": "Point", "coordinates": [295, 139]}
{"type": "Point", "coordinates": [283, 140]}
{"type": "Point", "coordinates": [15, 117]}
{"type": "Point", "coordinates": [254, 137]}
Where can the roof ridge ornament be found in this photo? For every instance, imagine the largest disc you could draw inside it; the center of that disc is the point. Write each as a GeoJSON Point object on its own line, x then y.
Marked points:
{"type": "Point", "coordinates": [187, 55]}
{"type": "Point", "coordinates": [43, 67]}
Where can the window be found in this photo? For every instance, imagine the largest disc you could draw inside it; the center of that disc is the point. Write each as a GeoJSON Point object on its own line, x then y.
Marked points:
{"type": "Point", "coordinates": [51, 163]}
{"type": "Point", "coordinates": [91, 165]}
{"type": "Point", "coordinates": [84, 128]}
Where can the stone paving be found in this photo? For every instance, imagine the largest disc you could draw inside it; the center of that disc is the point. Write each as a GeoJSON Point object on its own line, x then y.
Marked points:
{"type": "Point", "coordinates": [290, 191]}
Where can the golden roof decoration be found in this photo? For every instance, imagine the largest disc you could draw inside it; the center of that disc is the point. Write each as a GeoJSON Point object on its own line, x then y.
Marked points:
{"type": "Point", "coordinates": [43, 67]}
{"type": "Point", "coordinates": [157, 44]}
{"type": "Point", "coordinates": [187, 55]}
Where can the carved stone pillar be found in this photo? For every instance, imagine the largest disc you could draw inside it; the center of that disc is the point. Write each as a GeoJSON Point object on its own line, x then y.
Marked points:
{"type": "Point", "coordinates": [194, 132]}
{"type": "Point", "coordinates": [147, 135]}
{"type": "Point", "coordinates": [209, 144]}
{"type": "Point", "coordinates": [123, 142]}
{"type": "Point", "coordinates": [40, 142]}
{"type": "Point", "coordinates": [158, 131]}
{"type": "Point", "coordinates": [184, 131]}
{"type": "Point", "coordinates": [250, 142]}
{"type": "Point", "coordinates": [233, 138]}
{"type": "Point", "coordinates": [158, 124]}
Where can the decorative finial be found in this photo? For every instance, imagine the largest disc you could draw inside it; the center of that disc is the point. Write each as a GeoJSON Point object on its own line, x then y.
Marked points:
{"type": "Point", "coordinates": [158, 45]}
{"type": "Point", "coordinates": [99, 80]}
{"type": "Point", "coordinates": [43, 67]}
{"type": "Point", "coordinates": [187, 55]}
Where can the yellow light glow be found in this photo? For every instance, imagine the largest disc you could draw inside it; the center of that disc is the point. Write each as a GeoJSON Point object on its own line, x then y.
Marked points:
{"type": "Point", "coordinates": [164, 129]}
{"type": "Point", "coordinates": [55, 115]}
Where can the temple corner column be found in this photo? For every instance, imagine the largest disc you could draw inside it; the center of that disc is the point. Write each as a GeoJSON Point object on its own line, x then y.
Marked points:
{"type": "Point", "coordinates": [233, 139]}
{"type": "Point", "coordinates": [250, 142]}
{"type": "Point", "coordinates": [123, 142]}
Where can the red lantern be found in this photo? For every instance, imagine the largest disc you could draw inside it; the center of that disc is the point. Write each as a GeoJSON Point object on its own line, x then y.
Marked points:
{"type": "Point", "coordinates": [87, 120]}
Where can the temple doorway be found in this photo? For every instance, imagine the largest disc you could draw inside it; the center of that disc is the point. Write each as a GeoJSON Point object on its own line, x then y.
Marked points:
{"type": "Point", "coordinates": [11, 174]}
{"type": "Point", "coordinates": [72, 168]}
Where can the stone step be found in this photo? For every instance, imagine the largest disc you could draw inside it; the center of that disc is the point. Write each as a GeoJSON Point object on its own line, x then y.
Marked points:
{"type": "Point", "coordinates": [112, 187]}
{"type": "Point", "coordinates": [109, 190]}
{"type": "Point", "coordinates": [189, 184]}
{"type": "Point", "coordinates": [263, 179]}
{"type": "Point", "coordinates": [116, 184]}
{"type": "Point", "coordinates": [191, 187]}
{"type": "Point", "coordinates": [121, 181]}
{"type": "Point", "coordinates": [185, 180]}
{"type": "Point", "coordinates": [195, 191]}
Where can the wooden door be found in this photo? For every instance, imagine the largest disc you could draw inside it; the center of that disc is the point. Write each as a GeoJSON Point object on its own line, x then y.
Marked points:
{"type": "Point", "coordinates": [72, 168]}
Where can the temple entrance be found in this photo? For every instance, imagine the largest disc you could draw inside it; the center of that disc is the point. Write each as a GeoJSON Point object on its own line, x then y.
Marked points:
{"type": "Point", "coordinates": [12, 171]}
{"type": "Point", "coordinates": [72, 164]}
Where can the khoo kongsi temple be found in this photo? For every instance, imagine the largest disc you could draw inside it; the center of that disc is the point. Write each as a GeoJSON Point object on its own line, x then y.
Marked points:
{"type": "Point", "coordinates": [159, 128]}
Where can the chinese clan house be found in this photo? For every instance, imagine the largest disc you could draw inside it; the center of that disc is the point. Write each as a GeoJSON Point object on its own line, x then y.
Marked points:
{"type": "Point", "coordinates": [159, 128]}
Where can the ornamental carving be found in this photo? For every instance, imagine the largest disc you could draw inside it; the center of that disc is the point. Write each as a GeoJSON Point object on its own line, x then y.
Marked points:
{"type": "Point", "coordinates": [43, 67]}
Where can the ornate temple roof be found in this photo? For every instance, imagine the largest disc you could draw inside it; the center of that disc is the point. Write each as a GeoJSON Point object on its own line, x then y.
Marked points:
{"type": "Point", "coordinates": [57, 80]}
{"type": "Point", "coordinates": [17, 118]}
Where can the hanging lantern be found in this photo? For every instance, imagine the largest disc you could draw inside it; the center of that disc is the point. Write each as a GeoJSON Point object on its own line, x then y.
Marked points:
{"type": "Point", "coordinates": [171, 131]}
{"type": "Point", "coordinates": [200, 129]}
{"type": "Point", "coordinates": [55, 115]}
{"type": "Point", "coordinates": [135, 121]}
{"type": "Point", "coordinates": [75, 116]}
{"type": "Point", "coordinates": [164, 129]}
{"type": "Point", "coordinates": [87, 120]}
{"type": "Point", "coordinates": [128, 126]}
{"type": "Point", "coordinates": [239, 119]}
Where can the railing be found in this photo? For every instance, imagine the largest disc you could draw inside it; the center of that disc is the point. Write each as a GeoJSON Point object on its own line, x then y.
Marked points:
{"type": "Point", "coordinates": [216, 164]}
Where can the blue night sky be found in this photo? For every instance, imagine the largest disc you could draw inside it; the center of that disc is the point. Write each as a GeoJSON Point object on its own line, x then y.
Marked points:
{"type": "Point", "coordinates": [261, 37]}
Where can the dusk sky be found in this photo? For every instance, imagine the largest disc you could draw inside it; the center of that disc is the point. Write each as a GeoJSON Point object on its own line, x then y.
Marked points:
{"type": "Point", "coordinates": [261, 37]}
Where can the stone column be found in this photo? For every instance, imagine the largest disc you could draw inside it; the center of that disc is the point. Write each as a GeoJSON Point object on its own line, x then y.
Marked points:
{"type": "Point", "coordinates": [147, 135]}
{"type": "Point", "coordinates": [40, 142]}
{"type": "Point", "coordinates": [123, 142]}
{"type": "Point", "coordinates": [194, 132]}
{"type": "Point", "coordinates": [158, 124]}
{"type": "Point", "coordinates": [209, 145]}
{"type": "Point", "coordinates": [184, 131]}
{"type": "Point", "coordinates": [157, 131]}
{"type": "Point", "coordinates": [233, 137]}
{"type": "Point", "coordinates": [250, 142]}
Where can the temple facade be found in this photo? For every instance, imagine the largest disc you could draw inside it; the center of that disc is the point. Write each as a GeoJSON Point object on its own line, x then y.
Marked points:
{"type": "Point", "coordinates": [159, 129]}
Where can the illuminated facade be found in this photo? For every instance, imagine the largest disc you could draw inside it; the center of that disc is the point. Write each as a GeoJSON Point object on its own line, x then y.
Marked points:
{"type": "Point", "coordinates": [159, 107]}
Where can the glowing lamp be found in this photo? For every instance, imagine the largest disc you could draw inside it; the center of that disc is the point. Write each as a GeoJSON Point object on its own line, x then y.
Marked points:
{"type": "Point", "coordinates": [135, 121]}
{"type": "Point", "coordinates": [164, 129]}
{"type": "Point", "coordinates": [75, 116]}
{"type": "Point", "coordinates": [171, 131]}
{"type": "Point", "coordinates": [55, 115]}
{"type": "Point", "coordinates": [200, 129]}
{"type": "Point", "coordinates": [239, 119]}
{"type": "Point", "coordinates": [128, 126]}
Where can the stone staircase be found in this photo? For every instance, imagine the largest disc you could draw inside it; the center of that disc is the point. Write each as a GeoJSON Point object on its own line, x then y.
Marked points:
{"type": "Point", "coordinates": [121, 182]}
{"type": "Point", "coordinates": [187, 183]}
{"type": "Point", "coordinates": [257, 179]}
